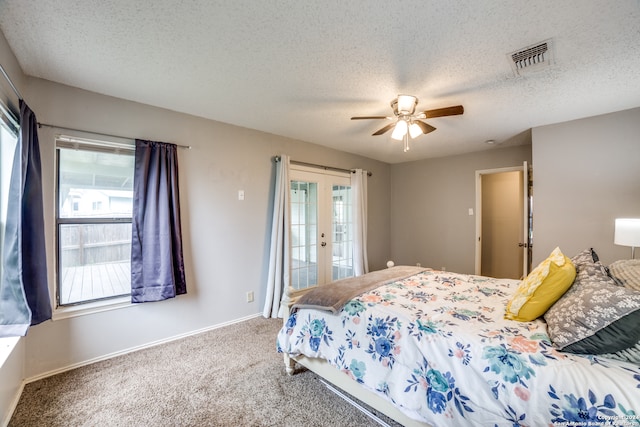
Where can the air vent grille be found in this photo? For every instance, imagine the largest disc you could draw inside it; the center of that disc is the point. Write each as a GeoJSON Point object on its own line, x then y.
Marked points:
{"type": "Point", "coordinates": [532, 58]}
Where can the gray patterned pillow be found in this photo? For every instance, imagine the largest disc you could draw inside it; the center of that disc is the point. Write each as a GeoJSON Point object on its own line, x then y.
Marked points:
{"type": "Point", "coordinates": [627, 272]}
{"type": "Point", "coordinates": [589, 270]}
{"type": "Point", "coordinates": [592, 315]}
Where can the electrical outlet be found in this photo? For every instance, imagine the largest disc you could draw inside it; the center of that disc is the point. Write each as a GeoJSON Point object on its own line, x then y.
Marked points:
{"type": "Point", "coordinates": [250, 296]}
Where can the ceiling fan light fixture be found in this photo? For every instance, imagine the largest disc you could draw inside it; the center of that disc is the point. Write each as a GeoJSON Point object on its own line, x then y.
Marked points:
{"type": "Point", "coordinates": [407, 104]}
{"type": "Point", "coordinates": [408, 125]}
{"type": "Point", "coordinates": [400, 130]}
{"type": "Point", "coordinates": [415, 130]}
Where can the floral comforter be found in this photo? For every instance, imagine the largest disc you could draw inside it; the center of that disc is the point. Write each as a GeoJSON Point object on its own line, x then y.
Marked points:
{"type": "Point", "coordinates": [436, 345]}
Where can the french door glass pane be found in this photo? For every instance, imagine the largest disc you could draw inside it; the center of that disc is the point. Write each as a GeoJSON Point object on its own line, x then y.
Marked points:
{"type": "Point", "coordinates": [342, 228]}
{"type": "Point", "coordinates": [304, 226]}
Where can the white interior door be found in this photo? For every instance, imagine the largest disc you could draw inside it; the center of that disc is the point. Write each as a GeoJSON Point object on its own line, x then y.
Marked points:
{"type": "Point", "coordinates": [321, 227]}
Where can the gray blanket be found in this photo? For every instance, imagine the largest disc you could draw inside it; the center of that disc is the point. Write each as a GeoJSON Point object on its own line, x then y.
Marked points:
{"type": "Point", "coordinates": [333, 296]}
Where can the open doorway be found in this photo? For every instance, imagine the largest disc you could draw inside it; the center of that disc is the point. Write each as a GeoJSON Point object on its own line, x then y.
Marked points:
{"type": "Point", "coordinates": [503, 222]}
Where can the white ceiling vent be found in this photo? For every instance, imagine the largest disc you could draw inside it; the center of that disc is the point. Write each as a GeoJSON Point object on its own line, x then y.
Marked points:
{"type": "Point", "coordinates": [532, 58]}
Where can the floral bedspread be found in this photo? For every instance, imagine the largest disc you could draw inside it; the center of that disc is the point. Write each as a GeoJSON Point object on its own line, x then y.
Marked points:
{"type": "Point", "coordinates": [436, 344]}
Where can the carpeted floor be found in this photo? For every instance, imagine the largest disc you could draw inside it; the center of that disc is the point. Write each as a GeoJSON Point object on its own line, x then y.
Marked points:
{"type": "Point", "coordinates": [230, 376]}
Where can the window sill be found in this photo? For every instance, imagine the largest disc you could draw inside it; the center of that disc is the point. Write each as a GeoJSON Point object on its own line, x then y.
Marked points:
{"type": "Point", "coordinates": [6, 347]}
{"type": "Point", "coordinates": [90, 308]}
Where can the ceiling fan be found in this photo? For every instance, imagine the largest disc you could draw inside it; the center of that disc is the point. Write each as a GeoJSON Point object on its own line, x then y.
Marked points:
{"type": "Point", "coordinates": [406, 122]}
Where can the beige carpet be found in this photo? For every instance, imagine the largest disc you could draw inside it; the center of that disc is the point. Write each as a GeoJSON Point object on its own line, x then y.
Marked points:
{"type": "Point", "coordinates": [230, 376]}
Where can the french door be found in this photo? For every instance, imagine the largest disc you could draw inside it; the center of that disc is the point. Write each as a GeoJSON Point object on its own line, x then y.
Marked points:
{"type": "Point", "coordinates": [321, 226]}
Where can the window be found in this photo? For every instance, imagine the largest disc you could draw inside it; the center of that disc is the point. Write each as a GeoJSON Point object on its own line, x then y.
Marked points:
{"type": "Point", "coordinates": [93, 220]}
{"type": "Point", "coordinates": [8, 143]}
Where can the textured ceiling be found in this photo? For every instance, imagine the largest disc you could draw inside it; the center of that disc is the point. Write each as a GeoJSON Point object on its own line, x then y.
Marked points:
{"type": "Point", "coordinates": [301, 69]}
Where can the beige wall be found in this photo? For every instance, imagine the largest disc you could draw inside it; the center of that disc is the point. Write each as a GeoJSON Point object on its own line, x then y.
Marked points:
{"type": "Point", "coordinates": [430, 221]}
{"type": "Point", "coordinates": [12, 68]}
{"type": "Point", "coordinates": [225, 240]}
{"type": "Point", "coordinates": [586, 173]}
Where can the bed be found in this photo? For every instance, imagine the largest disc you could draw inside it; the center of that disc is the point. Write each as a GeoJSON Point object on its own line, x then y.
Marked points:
{"type": "Point", "coordinates": [430, 347]}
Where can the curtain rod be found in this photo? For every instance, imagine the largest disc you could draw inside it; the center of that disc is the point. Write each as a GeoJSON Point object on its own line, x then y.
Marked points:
{"type": "Point", "coordinates": [6, 76]}
{"type": "Point", "coordinates": [313, 165]}
{"type": "Point", "coordinates": [188, 147]}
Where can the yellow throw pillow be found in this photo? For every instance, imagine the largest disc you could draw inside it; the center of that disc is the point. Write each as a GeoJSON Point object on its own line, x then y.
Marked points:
{"type": "Point", "coordinates": [541, 288]}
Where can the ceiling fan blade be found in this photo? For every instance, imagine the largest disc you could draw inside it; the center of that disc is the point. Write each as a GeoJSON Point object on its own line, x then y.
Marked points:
{"type": "Point", "coordinates": [441, 112]}
{"type": "Point", "coordinates": [369, 117]}
{"type": "Point", "coordinates": [426, 128]}
{"type": "Point", "coordinates": [384, 129]}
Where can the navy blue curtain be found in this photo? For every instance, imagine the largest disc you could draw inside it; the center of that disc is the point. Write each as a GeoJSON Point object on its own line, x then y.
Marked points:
{"type": "Point", "coordinates": [24, 291]}
{"type": "Point", "coordinates": [157, 263]}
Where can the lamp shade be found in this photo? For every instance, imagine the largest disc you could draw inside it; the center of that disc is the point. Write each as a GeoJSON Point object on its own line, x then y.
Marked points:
{"type": "Point", "coordinates": [407, 104]}
{"type": "Point", "coordinates": [400, 130]}
{"type": "Point", "coordinates": [627, 232]}
{"type": "Point", "coordinates": [415, 130]}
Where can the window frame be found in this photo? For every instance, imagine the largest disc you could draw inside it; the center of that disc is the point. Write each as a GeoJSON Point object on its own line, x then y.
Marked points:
{"type": "Point", "coordinates": [97, 304]}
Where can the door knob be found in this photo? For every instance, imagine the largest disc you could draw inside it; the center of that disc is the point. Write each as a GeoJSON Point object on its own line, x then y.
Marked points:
{"type": "Point", "coordinates": [323, 244]}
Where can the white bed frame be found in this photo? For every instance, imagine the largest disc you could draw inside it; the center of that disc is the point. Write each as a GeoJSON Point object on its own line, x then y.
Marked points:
{"type": "Point", "coordinates": [344, 382]}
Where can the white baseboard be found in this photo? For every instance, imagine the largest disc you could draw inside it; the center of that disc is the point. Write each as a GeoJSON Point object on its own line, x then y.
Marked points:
{"type": "Point", "coordinates": [12, 407]}
{"type": "Point", "coordinates": [136, 348]}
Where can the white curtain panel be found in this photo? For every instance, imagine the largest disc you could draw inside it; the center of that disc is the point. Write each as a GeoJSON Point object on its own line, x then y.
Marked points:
{"type": "Point", "coordinates": [279, 259]}
{"type": "Point", "coordinates": [359, 188]}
